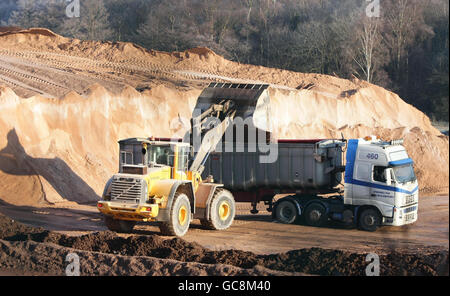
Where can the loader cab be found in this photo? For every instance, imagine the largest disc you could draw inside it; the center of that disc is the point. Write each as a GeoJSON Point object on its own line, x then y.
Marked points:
{"type": "Point", "coordinates": [141, 155]}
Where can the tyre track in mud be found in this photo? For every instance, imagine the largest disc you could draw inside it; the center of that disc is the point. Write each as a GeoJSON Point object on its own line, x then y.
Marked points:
{"type": "Point", "coordinates": [50, 69]}
{"type": "Point", "coordinates": [48, 87]}
{"type": "Point", "coordinates": [112, 75]}
{"type": "Point", "coordinates": [19, 84]}
{"type": "Point", "coordinates": [55, 64]}
{"type": "Point", "coordinates": [58, 60]}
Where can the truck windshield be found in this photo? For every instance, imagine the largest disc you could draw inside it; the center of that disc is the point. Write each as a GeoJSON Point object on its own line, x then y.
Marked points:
{"type": "Point", "coordinates": [404, 173]}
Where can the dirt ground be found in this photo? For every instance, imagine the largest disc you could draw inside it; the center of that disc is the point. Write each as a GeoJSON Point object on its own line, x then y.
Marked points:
{"type": "Point", "coordinates": [418, 249]}
{"type": "Point", "coordinates": [249, 232]}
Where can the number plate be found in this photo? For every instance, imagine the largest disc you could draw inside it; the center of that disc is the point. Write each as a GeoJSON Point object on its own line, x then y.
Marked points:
{"type": "Point", "coordinates": [410, 217]}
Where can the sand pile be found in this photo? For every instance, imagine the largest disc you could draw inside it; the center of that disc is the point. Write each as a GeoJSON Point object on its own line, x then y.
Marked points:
{"type": "Point", "coordinates": [64, 103]}
{"type": "Point", "coordinates": [66, 149]}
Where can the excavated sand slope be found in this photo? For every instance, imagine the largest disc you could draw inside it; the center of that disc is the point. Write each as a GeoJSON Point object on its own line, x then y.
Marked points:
{"type": "Point", "coordinates": [64, 103]}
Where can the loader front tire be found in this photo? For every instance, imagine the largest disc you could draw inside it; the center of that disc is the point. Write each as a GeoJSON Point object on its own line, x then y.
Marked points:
{"type": "Point", "coordinates": [179, 217]}
{"type": "Point", "coordinates": [221, 211]}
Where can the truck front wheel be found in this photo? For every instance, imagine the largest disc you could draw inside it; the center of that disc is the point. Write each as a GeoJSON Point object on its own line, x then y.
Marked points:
{"type": "Point", "coordinates": [285, 212]}
{"type": "Point", "coordinates": [179, 218]}
{"type": "Point", "coordinates": [315, 215]}
{"type": "Point", "coordinates": [121, 226]}
{"type": "Point", "coordinates": [369, 220]}
{"type": "Point", "coordinates": [222, 211]}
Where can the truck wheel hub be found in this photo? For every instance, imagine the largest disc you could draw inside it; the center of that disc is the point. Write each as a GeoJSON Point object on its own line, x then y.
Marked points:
{"type": "Point", "coordinates": [315, 215]}
{"type": "Point", "coordinates": [286, 213]}
{"type": "Point", "coordinates": [370, 220]}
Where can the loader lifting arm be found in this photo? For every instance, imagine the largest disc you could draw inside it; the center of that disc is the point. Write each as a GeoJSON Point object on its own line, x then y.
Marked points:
{"type": "Point", "coordinates": [210, 131]}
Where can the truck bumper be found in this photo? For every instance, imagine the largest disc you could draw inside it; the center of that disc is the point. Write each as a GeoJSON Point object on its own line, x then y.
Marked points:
{"type": "Point", "coordinates": [403, 216]}
{"type": "Point", "coordinates": [121, 211]}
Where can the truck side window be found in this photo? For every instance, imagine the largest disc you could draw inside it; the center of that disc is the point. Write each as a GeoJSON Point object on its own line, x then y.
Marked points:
{"type": "Point", "coordinates": [379, 174]}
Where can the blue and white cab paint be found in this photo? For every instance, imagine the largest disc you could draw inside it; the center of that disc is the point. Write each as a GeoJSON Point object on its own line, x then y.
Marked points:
{"type": "Point", "coordinates": [381, 174]}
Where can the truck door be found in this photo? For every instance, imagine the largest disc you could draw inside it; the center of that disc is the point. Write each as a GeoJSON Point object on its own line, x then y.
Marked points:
{"type": "Point", "coordinates": [361, 186]}
{"type": "Point", "coordinates": [380, 191]}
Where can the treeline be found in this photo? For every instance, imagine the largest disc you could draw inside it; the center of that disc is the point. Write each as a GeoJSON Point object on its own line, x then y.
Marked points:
{"type": "Point", "coordinates": [404, 48]}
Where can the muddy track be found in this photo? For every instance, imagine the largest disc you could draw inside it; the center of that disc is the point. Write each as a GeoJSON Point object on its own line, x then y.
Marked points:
{"type": "Point", "coordinates": [21, 85]}
{"type": "Point", "coordinates": [113, 75]}
{"type": "Point", "coordinates": [33, 82]}
{"type": "Point", "coordinates": [311, 261]}
{"type": "Point", "coordinates": [52, 70]}
{"type": "Point", "coordinates": [62, 63]}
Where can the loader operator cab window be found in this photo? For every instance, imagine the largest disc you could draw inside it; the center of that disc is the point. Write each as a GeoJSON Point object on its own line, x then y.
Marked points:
{"type": "Point", "coordinates": [162, 155]}
{"type": "Point", "coordinates": [131, 155]}
{"type": "Point", "coordinates": [183, 156]}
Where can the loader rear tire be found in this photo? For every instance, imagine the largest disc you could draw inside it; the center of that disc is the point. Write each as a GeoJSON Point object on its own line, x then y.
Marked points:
{"type": "Point", "coordinates": [221, 211]}
{"type": "Point", "coordinates": [179, 217]}
{"type": "Point", "coordinates": [120, 226]}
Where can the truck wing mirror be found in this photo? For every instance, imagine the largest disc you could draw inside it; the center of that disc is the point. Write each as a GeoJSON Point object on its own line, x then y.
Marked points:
{"type": "Point", "coordinates": [388, 176]}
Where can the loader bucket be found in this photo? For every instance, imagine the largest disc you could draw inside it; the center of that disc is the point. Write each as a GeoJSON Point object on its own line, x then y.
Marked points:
{"type": "Point", "coordinates": [250, 100]}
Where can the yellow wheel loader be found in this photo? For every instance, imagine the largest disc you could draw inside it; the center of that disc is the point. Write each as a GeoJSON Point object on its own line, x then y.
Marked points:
{"type": "Point", "coordinates": [160, 179]}
{"type": "Point", "coordinates": [154, 184]}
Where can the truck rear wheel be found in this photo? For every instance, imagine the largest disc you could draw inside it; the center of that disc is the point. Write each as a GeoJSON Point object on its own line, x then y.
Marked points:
{"type": "Point", "coordinates": [315, 215]}
{"type": "Point", "coordinates": [222, 211]}
{"type": "Point", "coordinates": [286, 212]}
{"type": "Point", "coordinates": [369, 220]}
{"type": "Point", "coordinates": [179, 217]}
{"type": "Point", "coordinates": [121, 226]}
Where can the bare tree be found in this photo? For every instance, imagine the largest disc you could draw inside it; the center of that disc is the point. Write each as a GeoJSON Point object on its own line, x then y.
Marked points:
{"type": "Point", "coordinates": [93, 23]}
{"type": "Point", "coordinates": [369, 39]}
{"type": "Point", "coordinates": [404, 23]}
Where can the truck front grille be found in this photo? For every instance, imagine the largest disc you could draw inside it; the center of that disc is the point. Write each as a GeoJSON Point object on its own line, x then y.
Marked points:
{"type": "Point", "coordinates": [410, 199]}
{"type": "Point", "coordinates": [127, 190]}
